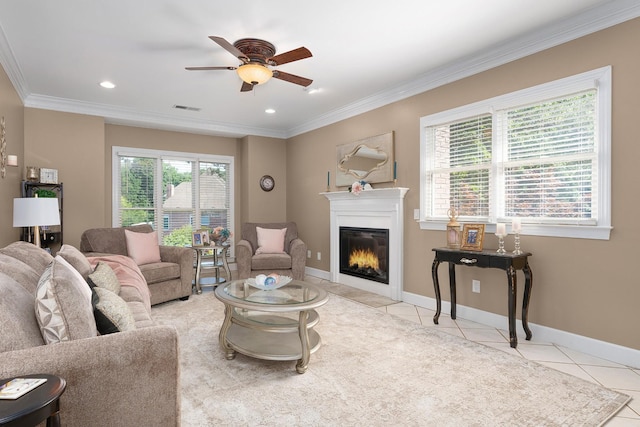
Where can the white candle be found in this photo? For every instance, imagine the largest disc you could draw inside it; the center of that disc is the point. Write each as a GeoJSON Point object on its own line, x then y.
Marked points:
{"type": "Point", "coordinates": [12, 160]}
{"type": "Point", "coordinates": [516, 225]}
{"type": "Point", "coordinates": [501, 229]}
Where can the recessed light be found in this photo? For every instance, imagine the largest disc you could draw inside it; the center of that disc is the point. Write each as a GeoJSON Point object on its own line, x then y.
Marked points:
{"type": "Point", "coordinates": [107, 84]}
{"type": "Point", "coordinates": [270, 111]}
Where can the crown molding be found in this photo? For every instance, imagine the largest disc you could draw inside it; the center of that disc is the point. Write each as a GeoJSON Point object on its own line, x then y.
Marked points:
{"type": "Point", "coordinates": [145, 119]}
{"type": "Point", "coordinates": [7, 59]}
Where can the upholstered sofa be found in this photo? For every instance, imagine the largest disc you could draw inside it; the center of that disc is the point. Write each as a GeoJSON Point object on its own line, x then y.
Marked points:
{"type": "Point", "coordinates": [289, 258]}
{"type": "Point", "coordinates": [169, 279]}
{"type": "Point", "coordinates": [128, 378]}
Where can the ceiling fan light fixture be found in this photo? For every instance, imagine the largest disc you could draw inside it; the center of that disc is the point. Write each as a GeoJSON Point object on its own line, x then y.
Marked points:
{"type": "Point", "coordinates": [254, 73]}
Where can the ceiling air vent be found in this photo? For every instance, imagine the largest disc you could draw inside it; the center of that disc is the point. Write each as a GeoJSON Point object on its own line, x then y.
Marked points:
{"type": "Point", "coordinates": [184, 107]}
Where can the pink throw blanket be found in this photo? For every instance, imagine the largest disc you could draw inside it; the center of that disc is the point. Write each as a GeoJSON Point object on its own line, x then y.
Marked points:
{"type": "Point", "coordinates": [127, 272]}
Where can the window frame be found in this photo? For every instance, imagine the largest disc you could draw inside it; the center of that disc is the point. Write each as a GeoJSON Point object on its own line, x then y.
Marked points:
{"type": "Point", "coordinates": [160, 155]}
{"type": "Point", "coordinates": [599, 79]}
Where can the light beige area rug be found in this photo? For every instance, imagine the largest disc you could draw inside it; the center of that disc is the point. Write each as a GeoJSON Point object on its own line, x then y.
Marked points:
{"type": "Point", "coordinates": [373, 370]}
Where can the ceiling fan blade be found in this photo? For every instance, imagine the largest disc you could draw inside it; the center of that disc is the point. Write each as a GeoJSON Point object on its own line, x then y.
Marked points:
{"type": "Point", "coordinates": [230, 48]}
{"type": "Point", "coordinates": [292, 78]}
{"type": "Point", "coordinates": [246, 87]}
{"type": "Point", "coordinates": [209, 68]}
{"type": "Point", "coordinates": [292, 55]}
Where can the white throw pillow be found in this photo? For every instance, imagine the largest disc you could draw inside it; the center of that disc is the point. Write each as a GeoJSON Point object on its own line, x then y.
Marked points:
{"type": "Point", "coordinates": [270, 240]}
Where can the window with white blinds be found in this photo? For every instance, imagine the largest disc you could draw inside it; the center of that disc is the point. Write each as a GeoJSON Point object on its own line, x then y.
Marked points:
{"type": "Point", "coordinates": [542, 155]}
{"type": "Point", "coordinates": [176, 193]}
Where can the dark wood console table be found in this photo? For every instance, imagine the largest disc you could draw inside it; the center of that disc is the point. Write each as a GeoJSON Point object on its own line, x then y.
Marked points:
{"type": "Point", "coordinates": [486, 259]}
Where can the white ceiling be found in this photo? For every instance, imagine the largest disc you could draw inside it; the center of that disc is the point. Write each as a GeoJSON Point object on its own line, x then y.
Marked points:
{"type": "Point", "coordinates": [365, 54]}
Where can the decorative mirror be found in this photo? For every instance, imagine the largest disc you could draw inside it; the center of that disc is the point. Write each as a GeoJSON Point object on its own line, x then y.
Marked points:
{"type": "Point", "coordinates": [370, 159]}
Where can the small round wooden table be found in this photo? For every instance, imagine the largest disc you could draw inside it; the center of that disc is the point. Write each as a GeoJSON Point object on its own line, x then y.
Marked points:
{"type": "Point", "coordinates": [41, 403]}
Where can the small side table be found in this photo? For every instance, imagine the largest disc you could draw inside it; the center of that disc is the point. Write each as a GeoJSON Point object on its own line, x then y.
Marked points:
{"type": "Point", "coordinates": [218, 260]}
{"type": "Point", "coordinates": [41, 403]}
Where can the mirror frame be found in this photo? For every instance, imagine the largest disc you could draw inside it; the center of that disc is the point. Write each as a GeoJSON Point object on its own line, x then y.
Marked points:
{"type": "Point", "coordinates": [382, 172]}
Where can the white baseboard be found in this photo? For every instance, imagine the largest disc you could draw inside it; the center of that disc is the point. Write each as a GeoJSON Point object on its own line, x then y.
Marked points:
{"type": "Point", "coordinates": [317, 273]}
{"type": "Point", "coordinates": [602, 349]}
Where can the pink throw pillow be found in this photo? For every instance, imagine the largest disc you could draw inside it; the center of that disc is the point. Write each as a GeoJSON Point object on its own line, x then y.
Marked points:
{"type": "Point", "coordinates": [270, 240]}
{"type": "Point", "coordinates": [143, 247]}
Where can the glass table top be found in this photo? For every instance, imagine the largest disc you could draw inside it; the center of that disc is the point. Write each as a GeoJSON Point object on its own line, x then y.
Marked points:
{"type": "Point", "coordinates": [293, 294]}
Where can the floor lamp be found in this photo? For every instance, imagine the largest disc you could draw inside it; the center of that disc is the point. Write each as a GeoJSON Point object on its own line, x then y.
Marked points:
{"type": "Point", "coordinates": [34, 212]}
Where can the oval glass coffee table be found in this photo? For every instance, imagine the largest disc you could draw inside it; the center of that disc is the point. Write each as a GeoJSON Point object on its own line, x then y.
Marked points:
{"type": "Point", "coordinates": [272, 324]}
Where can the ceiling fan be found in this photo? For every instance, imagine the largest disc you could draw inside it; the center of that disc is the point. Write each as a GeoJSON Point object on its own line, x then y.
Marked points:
{"type": "Point", "coordinates": [257, 56]}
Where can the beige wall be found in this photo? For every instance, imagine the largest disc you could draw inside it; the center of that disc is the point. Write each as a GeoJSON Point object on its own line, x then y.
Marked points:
{"type": "Point", "coordinates": [13, 112]}
{"type": "Point", "coordinates": [72, 144]}
{"type": "Point", "coordinates": [264, 156]}
{"type": "Point", "coordinates": [587, 287]}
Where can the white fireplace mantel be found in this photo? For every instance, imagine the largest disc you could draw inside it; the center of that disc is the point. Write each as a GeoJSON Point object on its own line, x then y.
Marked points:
{"type": "Point", "coordinates": [376, 208]}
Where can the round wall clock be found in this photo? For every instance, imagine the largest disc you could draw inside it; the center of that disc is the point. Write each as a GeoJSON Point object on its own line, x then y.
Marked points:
{"type": "Point", "coordinates": [267, 183]}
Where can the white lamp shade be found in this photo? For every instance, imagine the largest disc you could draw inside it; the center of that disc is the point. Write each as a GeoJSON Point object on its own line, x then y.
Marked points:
{"type": "Point", "coordinates": [32, 211]}
{"type": "Point", "coordinates": [254, 73]}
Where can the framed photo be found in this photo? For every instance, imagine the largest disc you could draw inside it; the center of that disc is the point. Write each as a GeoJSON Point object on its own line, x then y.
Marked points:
{"type": "Point", "coordinates": [204, 234]}
{"type": "Point", "coordinates": [472, 237]}
{"type": "Point", "coordinates": [196, 239]}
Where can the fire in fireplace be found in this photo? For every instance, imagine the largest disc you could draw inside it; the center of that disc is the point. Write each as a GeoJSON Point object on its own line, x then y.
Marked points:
{"type": "Point", "coordinates": [364, 253]}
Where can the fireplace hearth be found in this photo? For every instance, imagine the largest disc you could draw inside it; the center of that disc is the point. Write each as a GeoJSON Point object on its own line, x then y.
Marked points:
{"type": "Point", "coordinates": [364, 252]}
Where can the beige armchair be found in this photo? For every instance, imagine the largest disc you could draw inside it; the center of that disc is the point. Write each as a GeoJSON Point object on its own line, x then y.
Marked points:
{"type": "Point", "coordinates": [290, 263]}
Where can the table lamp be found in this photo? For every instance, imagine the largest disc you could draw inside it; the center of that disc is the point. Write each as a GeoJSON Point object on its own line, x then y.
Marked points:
{"type": "Point", "coordinates": [34, 212]}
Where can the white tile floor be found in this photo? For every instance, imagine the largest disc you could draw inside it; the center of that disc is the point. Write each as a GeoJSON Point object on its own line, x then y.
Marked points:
{"type": "Point", "coordinates": [590, 368]}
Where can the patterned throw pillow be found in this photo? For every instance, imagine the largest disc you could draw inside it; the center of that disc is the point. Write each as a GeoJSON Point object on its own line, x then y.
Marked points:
{"type": "Point", "coordinates": [104, 277]}
{"type": "Point", "coordinates": [111, 312]}
{"type": "Point", "coordinates": [63, 304]}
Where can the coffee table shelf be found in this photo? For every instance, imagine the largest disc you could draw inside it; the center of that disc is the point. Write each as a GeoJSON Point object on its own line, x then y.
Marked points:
{"type": "Point", "coordinates": [270, 345]}
{"type": "Point", "coordinates": [271, 325]}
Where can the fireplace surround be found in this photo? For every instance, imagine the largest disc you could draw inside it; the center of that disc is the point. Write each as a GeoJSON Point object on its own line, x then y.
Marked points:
{"type": "Point", "coordinates": [378, 209]}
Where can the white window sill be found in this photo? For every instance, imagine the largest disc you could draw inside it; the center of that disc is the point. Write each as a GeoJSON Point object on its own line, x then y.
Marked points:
{"type": "Point", "coordinates": [570, 231]}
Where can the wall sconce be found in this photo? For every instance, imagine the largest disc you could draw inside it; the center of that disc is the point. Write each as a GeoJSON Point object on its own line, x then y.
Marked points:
{"type": "Point", "coordinates": [4, 159]}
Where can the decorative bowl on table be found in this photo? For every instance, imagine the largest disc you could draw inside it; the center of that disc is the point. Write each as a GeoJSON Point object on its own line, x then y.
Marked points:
{"type": "Point", "coordinates": [267, 282]}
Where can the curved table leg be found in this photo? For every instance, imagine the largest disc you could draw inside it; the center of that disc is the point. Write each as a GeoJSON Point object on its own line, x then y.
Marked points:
{"type": "Point", "coordinates": [528, 284]}
{"type": "Point", "coordinates": [222, 337]}
{"type": "Point", "coordinates": [452, 288]}
{"type": "Point", "coordinates": [225, 263]}
{"type": "Point", "coordinates": [198, 270]}
{"type": "Point", "coordinates": [513, 290]}
{"type": "Point", "coordinates": [436, 286]}
{"type": "Point", "coordinates": [303, 363]}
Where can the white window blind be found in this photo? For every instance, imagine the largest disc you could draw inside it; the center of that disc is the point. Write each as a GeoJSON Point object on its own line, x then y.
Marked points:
{"type": "Point", "coordinates": [136, 185]}
{"type": "Point", "coordinates": [550, 167]}
{"type": "Point", "coordinates": [541, 154]}
{"type": "Point", "coordinates": [181, 192]}
{"type": "Point", "coordinates": [461, 172]}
